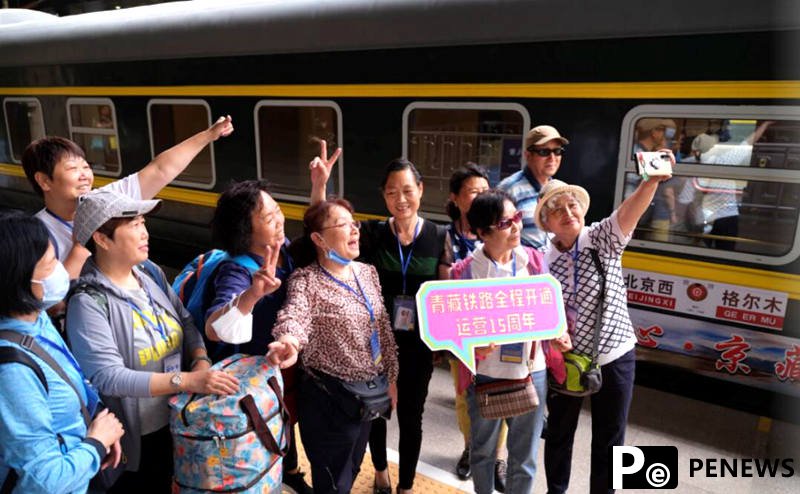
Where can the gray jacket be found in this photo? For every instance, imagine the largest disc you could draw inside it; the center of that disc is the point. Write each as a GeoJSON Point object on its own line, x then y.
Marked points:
{"type": "Point", "coordinates": [102, 341]}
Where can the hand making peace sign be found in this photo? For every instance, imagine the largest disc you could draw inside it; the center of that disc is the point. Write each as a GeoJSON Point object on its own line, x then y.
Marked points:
{"type": "Point", "coordinates": [320, 168]}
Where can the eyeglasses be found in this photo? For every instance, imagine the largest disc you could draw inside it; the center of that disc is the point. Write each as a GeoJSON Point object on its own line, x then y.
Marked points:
{"type": "Point", "coordinates": [351, 224]}
{"type": "Point", "coordinates": [561, 211]}
{"type": "Point", "coordinates": [506, 223]}
{"type": "Point", "coordinates": [545, 152]}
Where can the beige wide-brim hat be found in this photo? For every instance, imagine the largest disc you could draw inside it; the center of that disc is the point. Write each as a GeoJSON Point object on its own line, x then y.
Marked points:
{"type": "Point", "coordinates": [554, 188]}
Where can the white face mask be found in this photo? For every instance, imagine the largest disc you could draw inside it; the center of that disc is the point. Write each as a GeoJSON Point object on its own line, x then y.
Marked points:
{"type": "Point", "coordinates": [55, 286]}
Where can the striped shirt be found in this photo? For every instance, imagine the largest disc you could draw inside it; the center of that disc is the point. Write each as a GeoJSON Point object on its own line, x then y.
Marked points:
{"type": "Point", "coordinates": [524, 189]}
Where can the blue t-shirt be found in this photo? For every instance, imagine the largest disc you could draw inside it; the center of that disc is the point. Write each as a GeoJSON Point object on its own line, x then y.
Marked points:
{"type": "Point", "coordinates": [232, 279]}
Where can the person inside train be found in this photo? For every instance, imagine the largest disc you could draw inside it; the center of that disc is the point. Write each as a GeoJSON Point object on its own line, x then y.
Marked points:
{"type": "Point", "coordinates": [243, 302]}
{"type": "Point", "coordinates": [133, 337]}
{"type": "Point", "coordinates": [494, 219]}
{"type": "Point", "coordinates": [465, 183]}
{"type": "Point", "coordinates": [47, 446]}
{"type": "Point", "coordinates": [561, 213]}
{"type": "Point", "coordinates": [57, 170]}
{"type": "Point", "coordinates": [544, 148]}
{"type": "Point", "coordinates": [653, 134]}
{"type": "Point", "coordinates": [334, 314]}
{"type": "Point", "coordinates": [407, 251]}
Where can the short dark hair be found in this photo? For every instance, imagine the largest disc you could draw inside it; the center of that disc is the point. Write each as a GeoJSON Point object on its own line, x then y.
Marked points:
{"type": "Point", "coordinates": [303, 250]}
{"type": "Point", "coordinates": [487, 210]}
{"type": "Point", "coordinates": [23, 242]}
{"type": "Point", "coordinates": [232, 224]}
{"type": "Point", "coordinates": [399, 165]}
{"type": "Point", "coordinates": [108, 228]}
{"type": "Point", "coordinates": [42, 155]}
{"type": "Point", "coordinates": [457, 180]}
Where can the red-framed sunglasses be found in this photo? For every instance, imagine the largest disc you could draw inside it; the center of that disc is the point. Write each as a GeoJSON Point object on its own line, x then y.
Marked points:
{"type": "Point", "coordinates": [506, 223]}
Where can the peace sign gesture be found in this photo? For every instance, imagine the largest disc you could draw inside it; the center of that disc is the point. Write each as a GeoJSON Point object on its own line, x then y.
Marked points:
{"type": "Point", "coordinates": [320, 168]}
{"type": "Point", "coordinates": [264, 280]}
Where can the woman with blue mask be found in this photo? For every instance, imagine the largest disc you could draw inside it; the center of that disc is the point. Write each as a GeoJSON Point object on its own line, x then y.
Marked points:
{"type": "Point", "coordinates": [334, 314]}
{"type": "Point", "coordinates": [47, 445]}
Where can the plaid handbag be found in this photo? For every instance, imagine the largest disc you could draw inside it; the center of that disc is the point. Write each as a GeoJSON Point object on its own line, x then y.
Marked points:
{"type": "Point", "coordinates": [505, 398]}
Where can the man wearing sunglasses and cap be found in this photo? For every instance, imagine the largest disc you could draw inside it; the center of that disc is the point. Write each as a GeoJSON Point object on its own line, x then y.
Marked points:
{"type": "Point", "coordinates": [544, 147]}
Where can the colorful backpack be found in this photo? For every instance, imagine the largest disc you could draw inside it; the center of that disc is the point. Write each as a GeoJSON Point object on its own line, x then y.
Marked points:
{"type": "Point", "coordinates": [233, 443]}
{"type": "Point", "coordinates": [191, 282]}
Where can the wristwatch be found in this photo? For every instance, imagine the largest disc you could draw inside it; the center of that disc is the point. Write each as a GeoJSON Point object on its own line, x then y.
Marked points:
{"type": "Point", "coordinates": [176, 380]}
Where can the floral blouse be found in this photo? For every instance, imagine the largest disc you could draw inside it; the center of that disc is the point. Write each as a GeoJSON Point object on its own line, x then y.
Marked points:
{"type": "Point", "coordinates": [333, 325]}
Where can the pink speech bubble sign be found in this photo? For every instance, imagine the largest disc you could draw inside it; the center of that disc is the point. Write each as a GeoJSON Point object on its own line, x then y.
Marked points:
{"type": "Point", "coordinates": [460, 315]}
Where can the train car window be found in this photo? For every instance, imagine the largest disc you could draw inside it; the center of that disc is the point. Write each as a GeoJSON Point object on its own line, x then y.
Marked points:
{"type": "Point", "coordinates": [24, 124]}
{"type": "Point", "coordinates": [172, 121]}
{"type": "Point", "coordinates": [288, 133]}
{"type": "Point", "coordinates": [439, 137]}
{"type": "Point", "coordinates": [735, 192]}
{"type": "Point", "coordinates": [93, 126]}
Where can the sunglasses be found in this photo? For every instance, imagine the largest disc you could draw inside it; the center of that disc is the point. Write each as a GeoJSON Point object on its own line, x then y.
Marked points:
{"type": "Point", "coordinates": [506, 223]}
{"type": "Point", "coordinates": [350, 224]}
{"type": "Point", "coordinates": [545, 152]}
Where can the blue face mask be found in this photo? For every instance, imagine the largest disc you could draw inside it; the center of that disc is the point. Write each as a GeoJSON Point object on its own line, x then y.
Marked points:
{"type": "Point", "coordinates": [55, 286]}
{"type": "Point", "coordinates": [669, 133]}
{"type": "Point", "coordinates": [335, 257]}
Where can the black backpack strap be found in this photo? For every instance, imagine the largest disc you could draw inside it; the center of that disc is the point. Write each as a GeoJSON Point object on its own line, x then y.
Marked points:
{"type": "Point", "coordinates": [599, 322]}
{"type": "Point", "coordinates": [10, 354]}
{"type": "Point", "coordinates": [28, 342]}
{"type": "Point", "coordinates": [10, 482]}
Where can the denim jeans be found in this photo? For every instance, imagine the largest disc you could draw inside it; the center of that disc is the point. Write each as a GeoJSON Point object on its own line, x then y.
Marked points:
{"type": "Point", "coordinates": [524, 432]}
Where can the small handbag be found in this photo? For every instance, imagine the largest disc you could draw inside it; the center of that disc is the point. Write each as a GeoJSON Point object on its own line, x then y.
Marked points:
{"type": "Point", "coordinates": [505, 398]}
{"type": "Point", "coordinates": [363, 400]}
{"type": "Point", "coordinates": [584, 376]}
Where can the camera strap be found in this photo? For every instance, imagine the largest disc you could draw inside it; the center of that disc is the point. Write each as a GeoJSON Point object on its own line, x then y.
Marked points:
{"type": "Point", "coordinates": [599, 321]}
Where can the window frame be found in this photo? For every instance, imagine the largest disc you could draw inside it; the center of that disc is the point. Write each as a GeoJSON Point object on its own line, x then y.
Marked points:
{"type": "Point", "coordinates": [18, 99]}
{"type": "Point", "coordinates": [183, 102]}
{"type": "Point", "coordinates": [461, 105]}
{"type": "Point", "coordinates": [300, 103]}
{"type": "Point", "coordinates": [626, 164]}
{"type": "Point", "coordinates": [96, 130]}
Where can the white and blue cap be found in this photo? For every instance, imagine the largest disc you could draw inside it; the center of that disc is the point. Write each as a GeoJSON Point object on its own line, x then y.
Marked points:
{"type": "Point", "coordinates": [101, 205]}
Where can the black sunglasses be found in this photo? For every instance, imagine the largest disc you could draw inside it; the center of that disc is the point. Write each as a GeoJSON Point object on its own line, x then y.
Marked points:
{"type": "Point", "coordinates": [545, 152]}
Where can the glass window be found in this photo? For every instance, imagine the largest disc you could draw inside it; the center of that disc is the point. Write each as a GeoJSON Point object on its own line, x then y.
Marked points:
{"type": "Point", "coordinates": [173, 121]}
{"type": "Point", "coordinates": [288, 134]}
{"type": "Point", "coordinates": [24, 123]}
{"type": "Point", "coordinates": [735, 189]}
{"type": "Point", "coordinates": [93, 126]}
{"type": "Point", "coordinates": [440, 137]}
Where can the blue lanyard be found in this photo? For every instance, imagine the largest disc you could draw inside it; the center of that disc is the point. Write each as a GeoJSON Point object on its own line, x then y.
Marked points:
{"type": "Point", "coordinates": [405, 262]}
{"type": "Point", "coordinates": [362, 297]}
{"type": "Point", "coordinates": [59, 219]}
{"type": "Point", "coordinates": [157, 324]}
{"type": "Point", "coordinates": [513, 264]}
{"type": "Point", "coordinates": [575, 271]}
{"type": "Point", "coordinates": [463, 243]}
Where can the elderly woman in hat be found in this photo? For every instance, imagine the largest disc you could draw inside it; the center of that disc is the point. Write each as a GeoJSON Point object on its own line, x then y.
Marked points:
{"type": "Point", "coordinates": [132, 336]}
{"type": "Point", "coordinates": [561, 212]}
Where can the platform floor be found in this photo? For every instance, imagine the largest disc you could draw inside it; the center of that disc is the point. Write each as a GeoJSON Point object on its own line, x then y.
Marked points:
{"type": "Point", "coordinates": [697, 429]}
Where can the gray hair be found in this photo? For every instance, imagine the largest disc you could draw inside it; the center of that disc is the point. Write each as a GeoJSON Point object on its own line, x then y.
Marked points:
{"type": "Point", "coordinates": [551, 204]}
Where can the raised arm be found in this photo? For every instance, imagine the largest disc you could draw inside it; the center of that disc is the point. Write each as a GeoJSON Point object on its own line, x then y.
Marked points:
{"type": "Point", "coordinates": [634, 206]}
{"type": "Point", "coordinates": [170, 163]}
{"type": "Point", "coordinates": [320, 170]}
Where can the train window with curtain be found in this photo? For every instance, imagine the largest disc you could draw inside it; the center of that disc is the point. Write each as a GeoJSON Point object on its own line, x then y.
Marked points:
{"type": "Point", "coordinates": [171, 121]}
{"type": "Point", "coordinates": [439, 137]}
{"type": "Point", "coordinates": [93, 126]}
{"type": "Point", "coordinates": [24, 124]}
{"type": "Point", "coordinates": [735, 191]}
{"type": "Point", "coordinates": [288, 134]}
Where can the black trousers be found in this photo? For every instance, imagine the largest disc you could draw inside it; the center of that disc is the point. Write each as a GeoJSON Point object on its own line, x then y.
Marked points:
{"type": "Point", "coordinates": [416, 369]}
{"type": "Point", "coordinates": [155, 467]}
{"type": "Point", "coordinates": [609, 417]}
{"type": "Point", "coordinates": [334, 442]}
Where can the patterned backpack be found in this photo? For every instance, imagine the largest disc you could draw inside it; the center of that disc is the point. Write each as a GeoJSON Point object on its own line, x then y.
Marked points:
{"type": "Point", "coordinates": [233, 443]}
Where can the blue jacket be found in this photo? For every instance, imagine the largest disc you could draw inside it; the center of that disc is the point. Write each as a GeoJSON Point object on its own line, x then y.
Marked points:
{"type": "Point", "coordinates": [32, 420]}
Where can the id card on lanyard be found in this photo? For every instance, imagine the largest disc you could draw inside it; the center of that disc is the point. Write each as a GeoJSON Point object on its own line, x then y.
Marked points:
{"type": "Point", "coordinates": [404, 307]}
{"type": "Point", "coordinates": [374, 341]}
